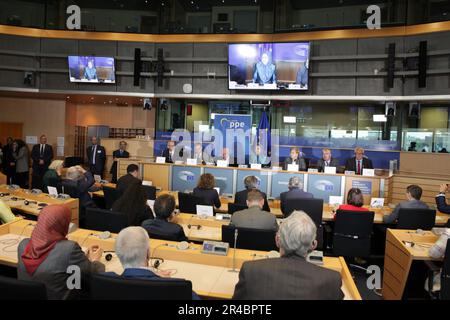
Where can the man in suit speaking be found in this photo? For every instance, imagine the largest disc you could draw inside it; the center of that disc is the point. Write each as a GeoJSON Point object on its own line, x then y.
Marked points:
{"type": "Point", "coordinates": [358, 162]}
{"type": "Point", "coordinates": [327, 161]}
{"type": "Point", "coordinates": [96, 155]}
{"type": "Point", "coordinates": [118, 154]}
{"type": "Point", "coordinates": [290, 277]}
{"type": "Point", "coordinates": [42, 155]}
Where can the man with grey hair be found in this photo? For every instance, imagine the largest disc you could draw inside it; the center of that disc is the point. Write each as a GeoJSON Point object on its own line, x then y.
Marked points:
{"type": "Point", "coordinates": [250, 183]}
{"type": "Point", "coordinates": [133, 250]}
{"type": "Point", "coordinates": [295, 192]}
{"type": "Point", "coordinates": [290, 277]}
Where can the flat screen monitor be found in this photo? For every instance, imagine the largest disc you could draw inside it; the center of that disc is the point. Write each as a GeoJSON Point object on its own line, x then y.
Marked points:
{"type": "Point", "coordinates": [89, 69]}
{"type": "Point", "coordinates": [268, 66]}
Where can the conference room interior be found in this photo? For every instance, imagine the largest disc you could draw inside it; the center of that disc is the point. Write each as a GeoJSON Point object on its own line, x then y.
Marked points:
{"type": "Point", "coordinates": [110, 99]}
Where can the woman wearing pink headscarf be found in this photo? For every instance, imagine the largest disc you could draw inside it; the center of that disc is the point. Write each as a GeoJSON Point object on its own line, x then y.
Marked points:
{"type": "Point", "coordinates": [47, 255]}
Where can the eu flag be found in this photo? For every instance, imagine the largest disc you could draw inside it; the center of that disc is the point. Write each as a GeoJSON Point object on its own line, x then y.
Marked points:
{"type": "Point", "coordinates": [263, 133]}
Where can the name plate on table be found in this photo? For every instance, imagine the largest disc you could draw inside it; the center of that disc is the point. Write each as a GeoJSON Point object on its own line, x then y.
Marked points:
{"type": "Point", "coordinates": [205, 211]}
{"type": "Point", "coordinates": [336, 200]}
{"type": "Point", "coordinates": [330, 170]}
{"type": "Point", "coordinates": [191, 162]}
{"type": "Point", "coordinates": [52, 191]}
{"type": "Point", "coordinates": [222, 163]}
{"type": "Point", "coordinates": [255, 166]}
{"type": "Point", "coordinates": [311, 170]}
{"type": "Point", "coordinates": [147, 183]}
{"type": "Point", "coordinates": [377, 202]}
{"type": "Point", "coordinates": [293, 86]}
{"type": "Point", "coordinates": [160, 159]}
{"type": "Point", "coordinates": [292, 167]}
{"type": "Point", "coordinates": [277, 168]}
{"type": "Point", "coordinates": [270, 86]}
{"type": "Point", "coordinates": [249, 85]}
{"type": "Point", "coordinates": [243, 166]}
{"type": "Point", "coordinates": [369, 172]}
{"type": "Point", "coordinates": [179, 162]}
{"type": "Point", "coordinates": [350, 173]}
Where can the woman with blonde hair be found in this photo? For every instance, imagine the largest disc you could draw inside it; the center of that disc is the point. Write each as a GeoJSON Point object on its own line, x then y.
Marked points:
{"type": "Point", "coordinates": [52, 177]}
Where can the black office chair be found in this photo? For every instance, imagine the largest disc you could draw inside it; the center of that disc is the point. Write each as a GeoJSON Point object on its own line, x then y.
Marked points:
{"type": "Point", "coordinates": [353, 233]}
{"type": "Point", "coordinates": [105, 287]}
{"type": "Point", "coordinates": [413, 219]}
{"type": "Point", "coordinates": [233, 207]}
{"type": "Point", "coordinates": [111, 195]}
{"type": "Point", "coordinates": [312, 207]}
{"type": "Point", "coordinates": [187, 203]}
{"type": "Point", "coordinates": [248, 238]}
{"type": "Point", "coordinates": [150, 191]}
{"type": "Point", "coordinates": [13, 289]}
{"type": "Point", "coordinates": [105, 220]}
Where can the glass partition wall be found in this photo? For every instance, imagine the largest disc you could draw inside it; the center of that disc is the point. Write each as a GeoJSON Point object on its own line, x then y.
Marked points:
{"type": "Point", "coordinates": [408, 127]}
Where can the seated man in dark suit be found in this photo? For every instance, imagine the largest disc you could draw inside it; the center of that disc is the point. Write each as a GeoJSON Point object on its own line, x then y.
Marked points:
{"type": "Point", "coordinates": [254, 216]}
{"type": "Point", "coordinates": [441, 202]}
{"type": "Point", "coordinates": [170, 154]}
{"type": "Point", "coordinates": [295, 192]}
{"type": "Point", "coordinates": [161, 227]}
{"type": "Point", "coordinates": [251, 183]}
{"type": "Point", "coordinates": [413, 195]}
{"type": "Point", "coordinates": [358, 162]}
{"type": "Point", "coordinates": [290, 277]}
{"type": "Point", "coordinates": [133, 250]}
{"type": "Point", "coordinates": [327, 161]}
{"type": "Point", "coordinates": [129, 179]}
{"type": "Point", "coordinates": [294, 158]}
{"type": "Point", "coordinates": [118, 154]}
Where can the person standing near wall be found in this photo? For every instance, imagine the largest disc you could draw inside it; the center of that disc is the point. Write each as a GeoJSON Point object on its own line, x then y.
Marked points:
{"type": "Point", "coordinates": [42, 156]}
{"type": "Point", "coordinates": [20, 154]}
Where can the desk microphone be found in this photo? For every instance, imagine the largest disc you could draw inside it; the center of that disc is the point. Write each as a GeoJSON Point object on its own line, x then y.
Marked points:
{"type": "Point", "coordinates": [234, 251]}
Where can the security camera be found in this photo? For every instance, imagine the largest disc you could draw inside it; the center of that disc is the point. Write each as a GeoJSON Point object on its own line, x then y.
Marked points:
{"type": "Point", "coordinates": [147, 104]}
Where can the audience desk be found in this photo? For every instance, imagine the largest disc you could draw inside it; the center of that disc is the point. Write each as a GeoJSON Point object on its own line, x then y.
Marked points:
{"type": "Point", "coordinates": [210, 274]}
{"type": "Point", "coordinates": [32, 208]}
{"type": "Point", "coordinates": [399, 257]}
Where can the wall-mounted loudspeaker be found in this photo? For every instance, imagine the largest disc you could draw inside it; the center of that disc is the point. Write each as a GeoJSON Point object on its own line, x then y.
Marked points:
{"type": "Point", "coordinates": [391, 65]}
{"type": "Point", "coordinates": [137, 67]}
{"type": "Point", "coordinates": [423, 48]}
{"type": "Point", "coordinates": [414, 110]}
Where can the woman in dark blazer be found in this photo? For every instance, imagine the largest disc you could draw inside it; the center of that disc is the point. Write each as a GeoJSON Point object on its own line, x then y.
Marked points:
{"type": "Point", "coordinates": [205, 190]}
{"type": "Point", "coordinates": [133, 203]}
{"type": "Point", "coordinates": [47, 255]}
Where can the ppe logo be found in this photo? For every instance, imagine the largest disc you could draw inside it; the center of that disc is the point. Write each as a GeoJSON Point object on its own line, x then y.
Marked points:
{"type": "Point", "coordinates": [186, 176]}
{"type": "Point", "coordinates": [232, 124]}
{"type": "Point", "coordinates": [324, 185]}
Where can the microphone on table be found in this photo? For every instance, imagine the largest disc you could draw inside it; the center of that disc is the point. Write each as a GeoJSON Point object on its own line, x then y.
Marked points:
{"type": "Point", "coordinates": [234, 251]}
